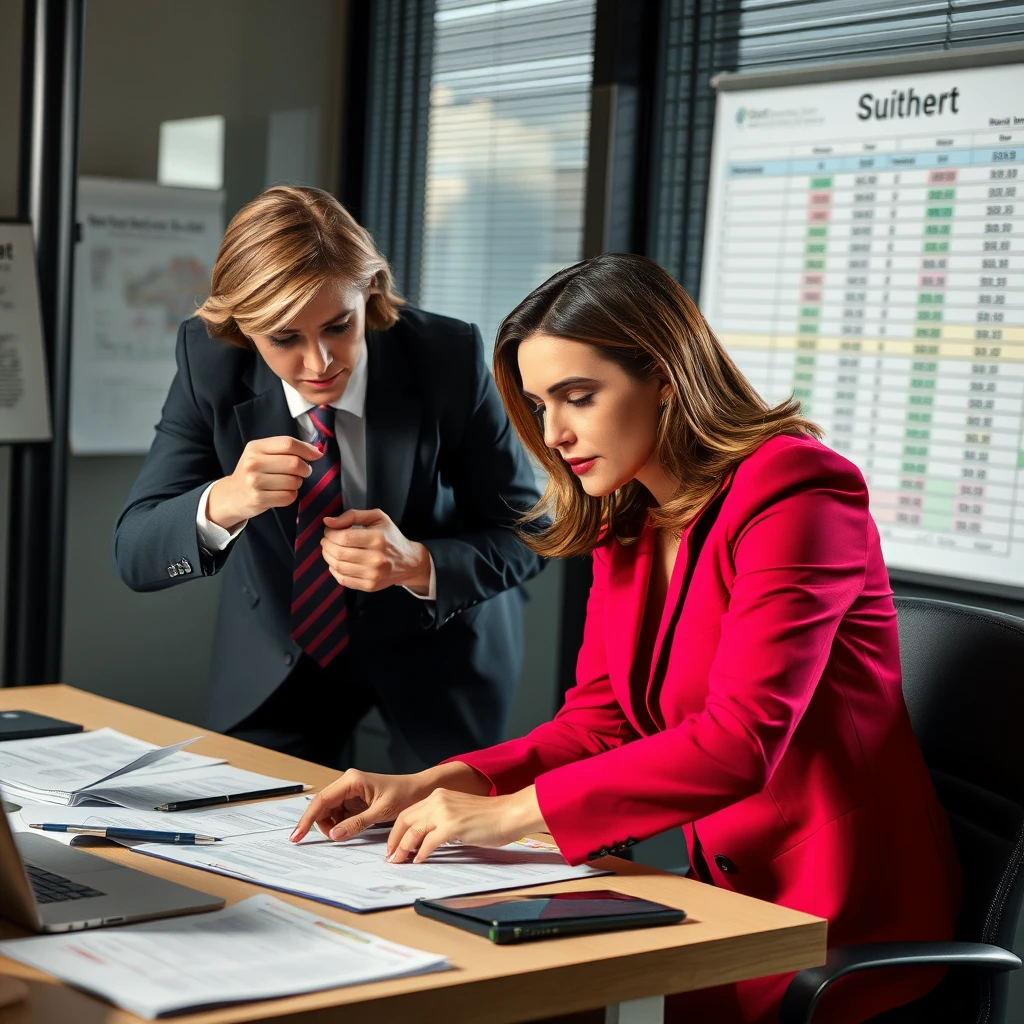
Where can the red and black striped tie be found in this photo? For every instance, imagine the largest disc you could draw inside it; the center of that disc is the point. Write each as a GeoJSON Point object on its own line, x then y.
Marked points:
{"type": "Point", "coordinates": [318, 600]}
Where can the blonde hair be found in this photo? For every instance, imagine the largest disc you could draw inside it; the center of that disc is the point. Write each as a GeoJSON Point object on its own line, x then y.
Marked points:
{"type": "Point", "coordinates": [635, 314]}
{"type": "Point", "coordinates": [276, 254]}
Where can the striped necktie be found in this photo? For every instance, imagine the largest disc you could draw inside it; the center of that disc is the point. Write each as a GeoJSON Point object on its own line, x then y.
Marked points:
{"type": "Point", "coordinates": [318, 600]}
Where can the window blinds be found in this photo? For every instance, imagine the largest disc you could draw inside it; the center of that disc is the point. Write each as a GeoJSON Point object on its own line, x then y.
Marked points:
{"type": "Point", "coordinates": [506, 152]}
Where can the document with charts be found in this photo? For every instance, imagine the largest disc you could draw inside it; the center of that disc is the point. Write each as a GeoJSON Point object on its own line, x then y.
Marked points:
{"type": "Point", "coordinates": [261, 948]}
{"type": "Point", "coordinates": [355, 876]}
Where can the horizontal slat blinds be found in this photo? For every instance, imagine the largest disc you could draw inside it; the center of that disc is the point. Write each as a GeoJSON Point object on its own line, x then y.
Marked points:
{"type": "Point", "coordinates": [506, 152]}
{"type": "Point", "coordinates": [700, 39]}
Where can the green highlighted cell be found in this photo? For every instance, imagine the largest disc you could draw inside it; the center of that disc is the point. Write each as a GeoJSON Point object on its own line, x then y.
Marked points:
{"type": "Point", "coordinates": [922, 367]}
{"type": "Point", "coordinates": [932, 521]}
{"type": "Point", "coordinates": [819, 183]}
{"type": "Point", "coordinates": [927, 332]}
{"type": "Point", "coordinates": [807, 329]}
{"type": "Point", "coordinates": [916, 434]}
{"type": "Point", "coordinates": [929, 314]}
{"type": "Point", "coordinates": [802, 392]}
{"type": "Point", "coordinates": [919, 417]}
{"type": "Point", "coordinates": [938, 229]}
{"type": "Point", "coordinates": [814, 248]}
{"type": "Point", "coordinates": [939, 194]}
{"type": "Point", "coordinates": [915, 451]}
{"type": "Point", "coordinates": [921, 400]}
{"type": "Point", "coordinates": [939, 211]}
{"type": "Point", "coordinates": [936, 246]}
{"type": "Point", "coordinates": [817, 232]}
{"type": "Point", "coordinates": [922, 382]}
{"type": "Point", "coordinates": [934, 486]}
{"type": "Point", "coordinates": [806, 360]}
{"type": "Point", "coordinates": [1020, 460]}
{"type": "Point", "coordinates": [931, 298]}
{"type": "Point", "coordinates": [810, 312]}
{"type": "Point", "coordinates": [806, 377]}
{"type": "Point", "coordinates": [814, 264]}
{"type": "Point", "coordinates": [914, 467]}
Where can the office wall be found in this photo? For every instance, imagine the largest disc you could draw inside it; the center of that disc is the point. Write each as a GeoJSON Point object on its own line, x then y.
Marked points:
{"type": "Point", "coordinates": [10, 98]}
{"type": "Point", "coordinates": [144, 64]}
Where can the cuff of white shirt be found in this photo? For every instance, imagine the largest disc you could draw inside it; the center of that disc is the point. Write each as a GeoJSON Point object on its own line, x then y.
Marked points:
{"type": "Point", "coordinates": [214, 538]}
{"type": "Point", "coordinates": [431, 594]}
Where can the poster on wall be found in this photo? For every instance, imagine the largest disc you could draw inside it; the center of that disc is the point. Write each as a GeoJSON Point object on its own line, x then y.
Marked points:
{"type": "Point", "coordinates": [24, 401]}
{"type": "Point", "coordinates": [142, 265]}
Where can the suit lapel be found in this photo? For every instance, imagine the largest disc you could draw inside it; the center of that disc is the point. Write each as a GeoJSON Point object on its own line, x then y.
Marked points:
{"type": "Point", "coordinates": [690, 546]}
{"type": "Point", "coordinates": [267, 415]}
{"type": "Point", "coordinates": [628, 579]}
{"type": "Point", "coordinates": [392, 414]}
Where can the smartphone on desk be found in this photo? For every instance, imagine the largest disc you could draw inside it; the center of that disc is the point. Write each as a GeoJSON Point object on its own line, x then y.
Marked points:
{"type": "Point", "coordinates": [544, 915]}
{"type": "Point", "coordinates": [27, 725]}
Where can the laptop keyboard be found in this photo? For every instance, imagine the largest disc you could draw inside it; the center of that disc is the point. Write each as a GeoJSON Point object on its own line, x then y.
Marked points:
{"type": "Point", "coordinates": [51, 888]}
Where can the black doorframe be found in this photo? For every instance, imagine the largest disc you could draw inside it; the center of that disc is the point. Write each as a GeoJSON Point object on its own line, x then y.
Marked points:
{"type": "Point", "coordinates": [52, 45]}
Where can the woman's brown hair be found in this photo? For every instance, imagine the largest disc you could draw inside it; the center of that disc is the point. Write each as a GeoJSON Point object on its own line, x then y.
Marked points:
{"type": "Point", "coordinates": [636, 315]}
{"type": "Point", "coordinates": [276, 254]}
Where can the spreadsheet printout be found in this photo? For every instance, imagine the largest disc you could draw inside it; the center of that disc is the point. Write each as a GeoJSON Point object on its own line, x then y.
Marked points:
{"type": "Point", "coordinates": [864, 252]}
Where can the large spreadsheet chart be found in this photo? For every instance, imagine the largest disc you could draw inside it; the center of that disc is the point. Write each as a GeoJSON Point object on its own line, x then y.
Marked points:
{"type": "Point", "coordinates": [865, 251]}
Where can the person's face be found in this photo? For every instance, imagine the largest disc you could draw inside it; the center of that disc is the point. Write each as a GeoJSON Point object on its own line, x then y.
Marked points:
{"type": "Point", "coordinates": [318, 350]}
{"type": "Point", "coordinates": [599, 419]}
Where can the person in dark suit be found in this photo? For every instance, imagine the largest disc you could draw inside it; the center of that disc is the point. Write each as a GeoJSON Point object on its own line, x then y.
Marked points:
{"type": "Point", "coordinates": [345, 461]}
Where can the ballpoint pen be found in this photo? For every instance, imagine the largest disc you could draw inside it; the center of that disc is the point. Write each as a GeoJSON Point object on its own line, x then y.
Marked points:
{"type": "Point", "coordinates": [143, 835]}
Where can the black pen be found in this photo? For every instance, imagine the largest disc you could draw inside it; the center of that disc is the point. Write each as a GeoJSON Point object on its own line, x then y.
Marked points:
{"type": "Point", "coordinates": [211, 801]}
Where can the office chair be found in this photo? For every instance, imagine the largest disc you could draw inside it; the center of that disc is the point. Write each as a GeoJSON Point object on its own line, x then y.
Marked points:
{"type": "Point", "coordinates": [963, 681]}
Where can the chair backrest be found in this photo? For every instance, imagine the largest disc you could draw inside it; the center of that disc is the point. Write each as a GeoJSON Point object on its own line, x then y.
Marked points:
{"type": "Point", "coordinates": [963, 682]}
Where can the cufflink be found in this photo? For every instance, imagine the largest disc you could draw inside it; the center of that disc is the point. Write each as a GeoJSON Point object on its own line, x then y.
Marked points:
{"type": "Point", "coordinates": [186, 565]}
{"type": "Point", "coordinates": [172, 570]}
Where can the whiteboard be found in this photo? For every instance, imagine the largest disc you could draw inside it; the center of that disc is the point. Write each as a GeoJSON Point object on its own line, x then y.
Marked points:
{"type": "Point", "coordinates": [143, 264]}
{"type": "Point", "coordinates": [865, 251]}
{"type": "Point", "coordinates": [24, 395]}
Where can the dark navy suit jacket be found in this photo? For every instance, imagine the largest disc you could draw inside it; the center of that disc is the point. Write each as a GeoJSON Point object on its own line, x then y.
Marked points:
{"type": "Point", "coordinates": [442, 461]}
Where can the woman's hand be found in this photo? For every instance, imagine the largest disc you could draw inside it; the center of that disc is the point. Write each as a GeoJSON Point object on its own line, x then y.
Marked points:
{"type": "Point", "coordinates": [449, 817]}
{"type": "Point", "coordinates": [377, 556]}
{"type": "Point", "coordinates": [360, 799]}
{"type": "Point", "coordinates": [268, 475]}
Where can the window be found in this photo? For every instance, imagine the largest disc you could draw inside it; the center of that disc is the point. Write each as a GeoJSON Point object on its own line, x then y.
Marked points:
{"type": "Point", "coordinates": [506, 152]}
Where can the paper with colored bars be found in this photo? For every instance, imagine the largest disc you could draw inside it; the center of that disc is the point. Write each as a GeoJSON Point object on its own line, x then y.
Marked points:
{"type": "Point", "coordinates": [260, 948]}
{"type": "Point", "coordinates": [354, 875]}
{"type": "Point", "coordinates": [66, 770]}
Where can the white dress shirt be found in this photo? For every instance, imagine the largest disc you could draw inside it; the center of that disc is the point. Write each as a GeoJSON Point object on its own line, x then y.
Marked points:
{"type": "Point", "coordinates": [350, 431]}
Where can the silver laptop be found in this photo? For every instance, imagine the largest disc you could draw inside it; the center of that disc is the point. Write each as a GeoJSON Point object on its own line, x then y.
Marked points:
{"type": "Point", "coordinates": [48, 887]}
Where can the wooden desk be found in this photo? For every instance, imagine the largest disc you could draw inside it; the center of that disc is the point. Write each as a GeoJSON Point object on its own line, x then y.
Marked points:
{"type": "Point", "coordinates": [726, 937]}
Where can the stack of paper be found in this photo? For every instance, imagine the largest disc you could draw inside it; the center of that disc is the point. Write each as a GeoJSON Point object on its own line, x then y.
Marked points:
{"type": "Point", "coordinates": [260, 948]}
{"type": "Point", "coordinates": [65, 769]}
{"type": "Point", "coordinates": [354, 875]}
{"type": "Point", "coordinates": [106, 767]}
{"type": "Point", "coordinates": [220, 822]}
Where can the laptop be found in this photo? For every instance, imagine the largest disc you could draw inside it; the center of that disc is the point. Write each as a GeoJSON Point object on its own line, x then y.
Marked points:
{"type": "Point", "coordinates": [48, 887]}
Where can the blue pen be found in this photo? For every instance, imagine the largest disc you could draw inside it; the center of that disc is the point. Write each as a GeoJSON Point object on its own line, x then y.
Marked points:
{"type": "Point", "coordinates": [143, 835]}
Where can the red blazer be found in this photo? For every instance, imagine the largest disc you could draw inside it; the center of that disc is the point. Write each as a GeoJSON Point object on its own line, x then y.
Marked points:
{"type": "Point", "coordinates": [772, 726]}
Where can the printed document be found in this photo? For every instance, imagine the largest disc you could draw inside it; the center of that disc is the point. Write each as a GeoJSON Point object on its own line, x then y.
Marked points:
{"type": "Point", "coordinates": [149, 791]}
{"type": "Point", "coordinates": [355, 876]}
{"type": "Point", "coordinates": [260, 948]}
{"type": "Point", "coordinates": [219, 822]}
{"type": "Point", "coordinates": [62, 769]}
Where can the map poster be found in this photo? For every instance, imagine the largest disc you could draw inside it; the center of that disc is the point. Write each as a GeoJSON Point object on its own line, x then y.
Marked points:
{"type": "Point", "coordinates": [142, 265]}
{"type": "Point", "coordinates": [24, 402]}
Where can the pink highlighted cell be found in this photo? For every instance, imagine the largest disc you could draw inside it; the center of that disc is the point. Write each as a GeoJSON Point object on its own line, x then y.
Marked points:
{"type": "Point", "coordinates": [819, 216]}
{"type": "Point", "coordinates": [819, 198]}
{"type": "Point", "coordinates": [931, 281]}
{"type": "Point", "coordinates": [810, 296]}
{"type": "Point", "coordinates": [941, 177]}
{"type": "Point", "coordinates": [810, 280]}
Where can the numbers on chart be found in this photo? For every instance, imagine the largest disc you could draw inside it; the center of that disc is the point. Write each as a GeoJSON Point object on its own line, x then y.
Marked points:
{"type": "Point", "coordinates": [1002, 173]}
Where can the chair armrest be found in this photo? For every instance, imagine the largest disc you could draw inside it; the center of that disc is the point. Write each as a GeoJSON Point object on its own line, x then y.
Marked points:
{"type": "Point", "coordinates": [808, 986]}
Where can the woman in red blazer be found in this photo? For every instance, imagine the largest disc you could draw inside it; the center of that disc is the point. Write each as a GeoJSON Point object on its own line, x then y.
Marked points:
{"type": "Point", "coordinates": [739, 675]}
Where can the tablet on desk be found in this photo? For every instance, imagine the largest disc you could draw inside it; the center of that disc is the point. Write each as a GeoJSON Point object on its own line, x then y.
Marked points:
{"type": "Point", "coordinates": [505, 919]}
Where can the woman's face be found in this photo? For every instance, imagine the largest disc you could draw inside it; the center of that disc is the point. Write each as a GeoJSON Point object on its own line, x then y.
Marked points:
{"type": "Point", "coordinates": [599, 419]}
{"type": "Point", "coordinates": [318, 350]}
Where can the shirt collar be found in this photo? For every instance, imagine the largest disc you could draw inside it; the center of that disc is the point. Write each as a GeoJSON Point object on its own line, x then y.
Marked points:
{"type": "Point", "coordinates": [353, 399]}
